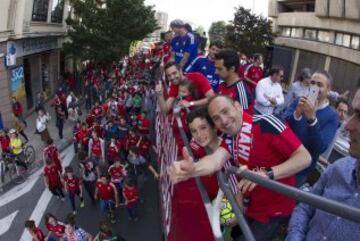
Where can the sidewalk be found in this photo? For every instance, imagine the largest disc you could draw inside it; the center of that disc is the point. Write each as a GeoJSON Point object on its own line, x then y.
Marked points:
{"type": "Point", "coordinates": [35, 139]}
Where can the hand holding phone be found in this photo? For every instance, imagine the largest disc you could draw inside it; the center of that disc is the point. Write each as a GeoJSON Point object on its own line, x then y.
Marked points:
{"type": "Point", "coordinates": [312, 94]}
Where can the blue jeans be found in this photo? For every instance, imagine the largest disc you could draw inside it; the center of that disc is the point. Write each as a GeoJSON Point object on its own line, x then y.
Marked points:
{"type": "Point", "coordinates": [72, 199]}
{"type": "Point", "coordinates": [107, 205]}
{"type": "Point", "coordinates": [132, 212]}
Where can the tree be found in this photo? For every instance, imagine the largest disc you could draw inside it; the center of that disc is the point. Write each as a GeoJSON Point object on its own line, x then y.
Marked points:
{"type": "Point", "coordinates": [102, 30]}
{"type": "Point", "coordinates": [217, 31]}
{"type": "Point", "coordinates": [249, 33]}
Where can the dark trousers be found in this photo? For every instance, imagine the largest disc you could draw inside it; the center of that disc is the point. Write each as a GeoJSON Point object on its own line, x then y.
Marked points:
{"type": "Point", "coordinates": [261, 231]}
{"type": "Point", "coordinates": [24, 135]}
{"type": "Point", "coordinates": [132, 212]}
{"type": "Point", "coordinates": [57, 191]}
{"type": "Point", "coordinates": [72, 199]}
{"type": "Point", "coordinates": [89, 187]}
{"type": "Point", "coordinates": [60, 126]}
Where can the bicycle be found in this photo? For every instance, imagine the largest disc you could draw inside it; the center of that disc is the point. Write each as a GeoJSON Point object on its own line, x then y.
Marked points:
{"type": "Point", "coordinates": [9, 165]}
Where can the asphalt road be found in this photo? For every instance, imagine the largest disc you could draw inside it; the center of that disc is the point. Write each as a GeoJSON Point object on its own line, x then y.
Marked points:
{"type": "Point", "coordinates": [31, 200]}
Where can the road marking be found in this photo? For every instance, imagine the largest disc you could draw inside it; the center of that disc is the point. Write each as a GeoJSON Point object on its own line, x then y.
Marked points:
{"type": "Point", "coordinates": [5, 223]}
{"type": "Point", "coordinates": [45, 198]}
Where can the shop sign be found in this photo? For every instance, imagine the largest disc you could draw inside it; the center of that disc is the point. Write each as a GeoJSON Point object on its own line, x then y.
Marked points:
{"type": "Point", "coordinates": [17, 81]}
{"type": "Point", "coordinates": [29, 46]}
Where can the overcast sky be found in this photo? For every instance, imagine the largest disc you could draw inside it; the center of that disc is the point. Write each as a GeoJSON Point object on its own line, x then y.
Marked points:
{"type": "Point", "coordinates": [204, 12]}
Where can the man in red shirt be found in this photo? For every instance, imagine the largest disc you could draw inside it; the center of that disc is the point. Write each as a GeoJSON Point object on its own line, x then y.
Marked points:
{"type": "Point", "coordinates": [52, 179]}
{"type": "Point", "coordinates": [166, 48]}
{"type": "Point", "coordinates": [35, 232]}
{"type": "Point", "coordinates": [117, 173]}
{"type": "Point", "coordinates": [227, 64]}
{"type": "Point", "coordinates": [131, 195]}
{"type": "Point", "coordinates": [82, 137]}
{"type": "Point", "coordinates": [51, 152]}
{"type": "Point", "coordinates": [96, 149]}
{"type": "Point", "coordinates": [143, 123]}
{"type": "Point", "coordinates": [254, 73]}
{"type": "Point", "coordinates": [264, 145]}
{"type": "Point", "coordinates": [73, 186]}
{"type": "Point", "coordinates": [4, 142]}
{"type": "Point", "coordinates": [175, 75]}
{"type": "Point", "coordinates": [107, 193]}
{"type": "Point", "coordinates": [18, 110]}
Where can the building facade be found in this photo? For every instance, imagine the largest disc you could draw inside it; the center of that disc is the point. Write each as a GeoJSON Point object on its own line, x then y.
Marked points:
{"type": "Point", "coordinates": [319, 34]}
{"type": "Point", "coordinates": [31, 36]}
{"type": "Point", "coordinates": [162, 21]}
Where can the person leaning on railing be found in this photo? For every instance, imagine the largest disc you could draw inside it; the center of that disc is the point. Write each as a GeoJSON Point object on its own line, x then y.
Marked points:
{"type": "Point", "coordinates": [340, 182]}
{"type": "Point", "coordinates": [261, 143]}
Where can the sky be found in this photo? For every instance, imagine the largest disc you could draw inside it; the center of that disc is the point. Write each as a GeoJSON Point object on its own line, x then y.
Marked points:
{"type": "Point", "coordinates": [204, 12]}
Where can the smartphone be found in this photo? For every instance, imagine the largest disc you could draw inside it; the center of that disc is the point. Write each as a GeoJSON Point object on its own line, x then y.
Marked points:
{"type": "Point", "coordinates": [312, 93]}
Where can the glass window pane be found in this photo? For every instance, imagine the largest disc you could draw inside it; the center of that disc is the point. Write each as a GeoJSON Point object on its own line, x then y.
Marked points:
{"type": "Point", "coordinates": [57, 11]}
{"type": "Point", "coordinates": [40, 10]}
{"type": "Point", "coordinates": [355, 42]}
{"type": "Point", "coordinates": [310, 34]}
{"type": "Point", "coordinates": [296, 32]}
{"type": "Point", "coordinates": [346, 40]}
{"type": "Point", "coordinates": [324, 36]}
{"type": "Point", "coordinates": [286, 31]}
{"type": "Point", "coordinates": [339, 38]}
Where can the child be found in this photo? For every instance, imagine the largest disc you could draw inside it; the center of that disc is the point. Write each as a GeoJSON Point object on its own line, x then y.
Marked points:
{"type": "Point", "coordinates": [131, 195]}
{"type": "Point", "coordinates": [117, 173]}
{"type": "Point", "coordinates": [52, 179]}
{"type": "Point", "coordinates": [36, 233]}
{"type": "Point", "coordinates": [74, 187]}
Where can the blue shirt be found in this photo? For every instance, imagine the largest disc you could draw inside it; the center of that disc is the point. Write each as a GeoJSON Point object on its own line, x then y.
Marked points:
{"type": "Point", "coordinates": [184, 44]}
{"type": "Point", "coordinates": [339, 183]}
{"type": "Point", "coordinates": [205, 66]}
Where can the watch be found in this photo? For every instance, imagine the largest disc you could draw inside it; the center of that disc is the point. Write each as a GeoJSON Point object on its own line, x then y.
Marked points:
{"type": "Point", "coordinates": [269, 172]}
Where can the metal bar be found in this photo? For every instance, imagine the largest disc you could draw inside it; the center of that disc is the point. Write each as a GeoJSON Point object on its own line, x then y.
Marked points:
{"type": "Point", "coordinates": [316, 201]}
{"type": "Point", "coordinates": [249, 236]}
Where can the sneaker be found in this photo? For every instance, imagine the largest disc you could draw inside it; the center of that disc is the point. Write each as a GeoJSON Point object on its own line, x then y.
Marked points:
{"type": "Point", "coordinates": [82, 204]}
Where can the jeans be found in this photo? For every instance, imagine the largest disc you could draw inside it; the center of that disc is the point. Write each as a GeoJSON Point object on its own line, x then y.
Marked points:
{"type": "Point", "coordinates": [72, 199]}
{"type": "Point", "coordinates": [261, 231]}
{"type": "Point", "coordinates": [132, 212]}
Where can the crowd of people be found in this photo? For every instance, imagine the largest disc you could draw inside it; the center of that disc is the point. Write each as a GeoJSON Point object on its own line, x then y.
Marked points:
{"type": "Point", "coordinates": [233, 115]}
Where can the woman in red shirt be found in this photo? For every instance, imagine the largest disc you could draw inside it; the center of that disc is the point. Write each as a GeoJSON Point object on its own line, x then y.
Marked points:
{"type": "Point", "coordinates": [56, 229]}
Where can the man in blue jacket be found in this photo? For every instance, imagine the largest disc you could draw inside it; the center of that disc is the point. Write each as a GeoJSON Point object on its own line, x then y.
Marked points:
{"type": "Point", "coordinates": [314, 124]}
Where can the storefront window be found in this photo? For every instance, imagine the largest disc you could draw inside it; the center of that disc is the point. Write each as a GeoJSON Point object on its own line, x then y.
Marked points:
{"type": "Point", "coordinates": [40, 10]}
{"type": "Point", "coordinates": [57, 11]}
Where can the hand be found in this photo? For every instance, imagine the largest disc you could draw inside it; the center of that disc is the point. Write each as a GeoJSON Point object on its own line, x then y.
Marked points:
{"type": "Point", "coordinates": [184, 104]}
{"type": "Point", "coordinates": [159, 88]}
{"type": "Point", "coordinates": [308, 108]}
{"type": "Point", "coordinates": [182, 170]}
{"type": "Point", "coordinates": [245, 185]}
{"type": "Point", "coordinates": [156, 176]}
{"type": "Point", "coordinates": [345, 95]}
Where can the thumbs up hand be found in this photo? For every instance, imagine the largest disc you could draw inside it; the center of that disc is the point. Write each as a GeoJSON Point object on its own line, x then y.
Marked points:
{"type": "Point", "coordinates": [183, 169]}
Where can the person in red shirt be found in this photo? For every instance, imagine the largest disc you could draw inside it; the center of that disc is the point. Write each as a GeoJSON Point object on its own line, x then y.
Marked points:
{"type": "Point", "coordinates": [174, 75]}
{"type": "Point", "coordinates": [96, 149]}
{"type": "Point", "coordinates": [51, 152]}
{"type": "Point", "coordinates": [97, 111]}
{"type": "Point", "coordinates": [113, 151]}
{"type": "Point", "coordinates": [227, 64]}
{"type": "Point", "coordinates": [52, 179]}
{"type": "Point", "coordinates": [4, 142]}
{"type": "Point", "coordinates": [131, 139]}
{"type": "Point", "coordinates": [143, 123]}
{"type": "Point", "coordinates": [254, 72]}
{"type": "Point", "coordinates": [82, 137]}
{"type": "Point", "coordinates": [35, 232]}
{"type": "Point", "coordinates": [117, 173]}
{"type": "Point", "coordinates": [131, 195]}
{"type": "Point", "coordinates": [107, 193]}
{"type": "Point", "coordinates": [18, 110]}
{"type": "Point", "coordinates": [264, 145]}
{"type": "Point", "coordinates": [166, 48]}
{"type": "Point", "coordinates": [56, 229]}
{"type": "Point", "coordinates": [73, 186]}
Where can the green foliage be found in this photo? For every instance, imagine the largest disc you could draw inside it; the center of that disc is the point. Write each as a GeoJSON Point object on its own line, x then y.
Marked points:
{"type": "Point", "coordinates": [102, 30]}
{"type": "Point", "coordinates": [249, 33]}
{"type": "Point", "coordinates": [217, 31]}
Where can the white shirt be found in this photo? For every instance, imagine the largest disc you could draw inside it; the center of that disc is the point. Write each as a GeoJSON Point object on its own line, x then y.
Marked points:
{"type": "Point", "coordinates": [41, 122]}
{"type": "Point", "coordinates": [266, 87]}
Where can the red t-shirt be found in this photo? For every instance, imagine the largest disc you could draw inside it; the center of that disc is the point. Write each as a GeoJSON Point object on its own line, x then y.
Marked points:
{"type": "Point", "coordinates": [272, 143]}
{"type": "Point", "coordinates": [143, 124]}
{"type": "Point", "coordinates": [131, 195]}
{"type": "Point", "coordinates": [112, 151]}
{"type": "Point", "coordinates": [52, 153]}
{"type": "Point", "coordinates": [82, 136]}
{"type": "Point", "coordinates": [73, 184]}
{"type": "Point", "coordinates": [241, 71]}
{"type": "Point", "coordinates": [96, 148]}
{"type": "Point", "coordinates": [105, 190]}
{"type": "Point", "coordinates": [254, 73]}
{"type": "Point", "coordinates": [5, 143]}
{"type": "Point", "coordinates": [130, 141]}
{"type": "Point", "coordinates": [53, 177]}
{"type": "Point", "coordinates": [144, 147]}
{"type": "Point", "coordinates": [39, 234]}
{"type": "Point", "coordinates": [97, 111]}
{"type": "Point", "coordinates": [117, 173]}
{"type": "Point", "coordinates": [58, 230]}
{"type": "Point", "coordinates": [240, 92]}
{"type": "Point", "coordinates": [200, 82]}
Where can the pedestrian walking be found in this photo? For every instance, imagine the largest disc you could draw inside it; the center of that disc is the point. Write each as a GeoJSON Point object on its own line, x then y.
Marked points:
{"type": "Point", "coordinates": [52, 179]}
{"type": "Point", "coordinates": [60, 120]}
{"type": "Point", "coordinates": [56, 229]}
{"type": "Point", "coordinates": [73, 186]}
{"type": "Point", "coordinates": [41, 125]}
{"type": "Point", "coordinates": [18, 110]}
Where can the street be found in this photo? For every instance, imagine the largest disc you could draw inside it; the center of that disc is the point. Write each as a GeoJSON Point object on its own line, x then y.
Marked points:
{"type": "Point", "coordinates": [31, 200]}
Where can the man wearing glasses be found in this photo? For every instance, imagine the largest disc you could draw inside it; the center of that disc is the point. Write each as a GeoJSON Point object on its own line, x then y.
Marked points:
{"type": "Point", "coordinates": [269, 94]}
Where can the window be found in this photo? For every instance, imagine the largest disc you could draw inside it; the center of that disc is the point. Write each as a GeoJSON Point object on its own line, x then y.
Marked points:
{"type": "Point", "coordinates": [57, 11]}
{"type": "Point", "coordinates": [286, 32]}
{"type": "Point", "coordinates": [355, 42]}
{"type": "Point", "coordinates": [342, 39]}
{"type": "Point", "coordinates": [323, 36]}
{"type": "Point", "coordinates": [40, 10]}
{"type": "Point", "coordinates": [310, 34]}
{"type": "Point", "coordinates": [296, 32]}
